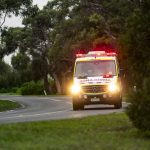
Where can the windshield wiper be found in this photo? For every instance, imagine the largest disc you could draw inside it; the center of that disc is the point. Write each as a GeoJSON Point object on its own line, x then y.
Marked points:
{"type": "Point", "coordinates": [82, 77]}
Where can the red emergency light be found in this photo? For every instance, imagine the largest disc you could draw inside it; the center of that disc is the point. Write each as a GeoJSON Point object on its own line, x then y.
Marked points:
{"type": "Point", "coordinates": [101, 53]}
{"type": "Point", "coordinates": [111, 54]}
{"type": "Point", "coordinates": [79, 55]}
{"type": "Point", "coordinates": [96, 54]}
{"type": "Point", "coordinates": [107, 76]}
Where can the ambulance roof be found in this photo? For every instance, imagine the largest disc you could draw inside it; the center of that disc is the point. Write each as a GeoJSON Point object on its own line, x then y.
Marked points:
{"type": "Point", "coordinates": [96, 55]}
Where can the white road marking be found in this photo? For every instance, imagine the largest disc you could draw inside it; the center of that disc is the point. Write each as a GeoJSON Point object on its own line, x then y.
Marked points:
{"type": "Point", "coordinates": [52, 99]}
{"type": "Point", "coordinates": [56, 100]}
{"type": "Point", "coordinates": [69, 103]}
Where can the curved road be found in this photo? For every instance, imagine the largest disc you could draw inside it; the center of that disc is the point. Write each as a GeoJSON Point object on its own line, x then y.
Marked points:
{"type": "Point", "coordinates": [49, 108]}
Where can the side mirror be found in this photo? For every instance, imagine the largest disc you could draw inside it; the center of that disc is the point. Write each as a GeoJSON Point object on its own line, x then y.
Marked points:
{"type": "Point", "coordinates": [121, 73]}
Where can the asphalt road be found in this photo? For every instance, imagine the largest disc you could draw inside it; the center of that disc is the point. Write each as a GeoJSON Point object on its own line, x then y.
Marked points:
{"type": "Point", "coordinates": [49, 108]}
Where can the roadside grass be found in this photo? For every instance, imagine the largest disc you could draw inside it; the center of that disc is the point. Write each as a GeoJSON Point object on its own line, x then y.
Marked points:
{"type": "Point", "coordinates": [106, 132]}
{"type": "Point", "coordinates": [8, 105]}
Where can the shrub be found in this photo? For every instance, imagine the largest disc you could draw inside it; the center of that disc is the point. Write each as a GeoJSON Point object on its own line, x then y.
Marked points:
{"type": "Point", "coordinates": [3, 90]}
{"type": "Point", "coordinates": [13, 90]}
{"type": "Point", "coordinates": [9, 90]}
{"type": "Point", "coordinates": [32, 88]}
{"type": "Point", "coordinates": [139, 108]}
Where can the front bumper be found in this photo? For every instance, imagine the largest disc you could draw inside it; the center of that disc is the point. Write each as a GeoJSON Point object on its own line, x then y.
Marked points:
{"type": "Point", "coordinates": [104, 98]}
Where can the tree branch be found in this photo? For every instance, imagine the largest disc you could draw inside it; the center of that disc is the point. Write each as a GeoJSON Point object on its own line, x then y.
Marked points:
{"type": "Point", "coordinates": [4, 19]}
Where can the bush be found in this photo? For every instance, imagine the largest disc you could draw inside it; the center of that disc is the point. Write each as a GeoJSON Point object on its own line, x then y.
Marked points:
{"type": "Point", "coordinates": [32, 88]}
{"type": "Point", "coordinates": [3, 90]}
{"type": "Point", "coordinates": [13, 90]}
{"type": "Point", "coordinates": [9, 90]}
{"type": "Point", "coordinates": [139, 109]}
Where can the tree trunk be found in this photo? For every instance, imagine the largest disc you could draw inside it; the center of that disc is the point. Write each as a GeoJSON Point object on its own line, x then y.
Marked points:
{"type": "Point", "coordinates": [64, 85]}
{"type": "Point", "coordinates": [66, 81]}
{"type": "Point", "coordinates": [46, 85]}
{"type": "Point", "coordinates": [58, 85]}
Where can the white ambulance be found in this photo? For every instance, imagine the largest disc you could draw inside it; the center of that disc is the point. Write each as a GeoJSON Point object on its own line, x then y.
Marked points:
{"type": "Point", "coordinates": [96, 80]}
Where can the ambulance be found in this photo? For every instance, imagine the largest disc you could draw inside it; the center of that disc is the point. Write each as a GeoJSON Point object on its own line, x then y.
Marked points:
{"type": "Point", "coordinates": [96, 80]}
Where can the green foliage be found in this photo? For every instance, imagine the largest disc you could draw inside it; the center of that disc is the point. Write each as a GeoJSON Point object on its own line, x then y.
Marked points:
{"type": "Point", "coordinates": [85, 23]}
{"type": "Point", "coordinates": [54, 34]}
{"type": "Point", "coordinates": [3, 90]}
{"type": "Point", "coordinates": [8, 7]}
{"type": "Point", "coordinates": [8, 77]}
{"type": "Point", "coordinates": [13, 5]}
{"type": "Point", "coordinates": [139, 109]}
{"type": "Point", "coordinates": [32, 88]}
{"type": "Point", "coordinates": [8, 105]}
{"type": "Point", "coordinates": [22, 65]}
{"type": "Point", "coordinates": [4, 68]}
{"type": "Point", "coordinates": [102, 132]}
{"type": "Point", "coordinates": [13, 90]}
{"type": "Point", "coordinates": [135, 44]}
{"type": "Point", "coordinates": [14, 39]}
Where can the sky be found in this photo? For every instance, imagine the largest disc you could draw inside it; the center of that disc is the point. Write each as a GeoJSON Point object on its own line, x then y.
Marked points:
{"type": "Point", "coordinates": [17, 21]}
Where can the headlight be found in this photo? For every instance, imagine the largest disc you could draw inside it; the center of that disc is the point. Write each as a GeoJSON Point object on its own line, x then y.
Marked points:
{"type": "Point", "coordinates": [113, 87]}
{"type": "Point", "coordinates": [75, 89]}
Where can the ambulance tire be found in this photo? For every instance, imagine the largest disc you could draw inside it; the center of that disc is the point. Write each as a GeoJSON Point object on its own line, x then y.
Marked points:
{"type": "Point", "coordinates": [77, 104]}
{"type": "Point", "coordinates": [118, 105]}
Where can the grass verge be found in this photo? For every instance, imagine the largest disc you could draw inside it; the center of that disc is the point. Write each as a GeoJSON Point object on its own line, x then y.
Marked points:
{"type": "Point", "coordinates": [8, 105]}
{"type": "Point", "coordinates": [108, 132]}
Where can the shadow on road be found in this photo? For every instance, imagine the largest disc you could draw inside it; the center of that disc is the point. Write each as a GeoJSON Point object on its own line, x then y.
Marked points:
{"type": "Point", "coordinates": [100, 108]}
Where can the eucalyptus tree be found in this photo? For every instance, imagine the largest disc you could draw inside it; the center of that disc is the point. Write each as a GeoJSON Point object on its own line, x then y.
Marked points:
{"type": "Point", "coordinates": [44, 25]}
{"type": "Point", "coordinates": [15, 41]}
{"type": "Point", "coordinates": [21, 63]}
{"type": "Point", "coordinates": [8, 77]}
{"type": "Point", "coordinates": [54, 34]}
{"type": "Point", "coordinates": [83, 25]}
{"type": "Point", "coordinates": [63, 27]}
{"type": "Point", "coordinates": [8, 7]}
{"type": "Point", "coordinates": [38, 22]}
{"type": "Point", "coordinates": [12, 6]}
{"type": "Point", "coordinates": [135, 43]}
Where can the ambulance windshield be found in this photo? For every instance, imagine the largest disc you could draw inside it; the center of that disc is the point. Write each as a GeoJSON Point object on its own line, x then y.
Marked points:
{"type": "Point", "coordinates": [95, 68]}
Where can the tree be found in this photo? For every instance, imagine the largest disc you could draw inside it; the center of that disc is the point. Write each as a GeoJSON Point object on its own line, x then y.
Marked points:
{"type": "Point", "coordinates": [39, 24]}
{"type": "Point", "coordinates": [135, 44]}
{"type": "Point", "coordinates": [13, 39]}
{"type": "Point", "coordinates": [83, 25]}
{"type": "Point", "coordinates": [63, 27]}
{"type": "Point", "coordinates": [22, 64]}
{"type": "Point", "coordinates": [53, 35]}
{"type": "Point", "coordinates": [13, 6]}
{"type": "Point", "coordinates": [136, 55]}
{"type": "Point", "coordinates": [8, 77]}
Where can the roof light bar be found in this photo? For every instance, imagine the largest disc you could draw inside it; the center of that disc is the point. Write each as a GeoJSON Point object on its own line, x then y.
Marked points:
{"type": "Point", "coordinates": [96, 54]}
{"type": "Point", "coordinates": [80, 55]}
{"type": "Point", "coordinates": [111, 54]}
{"type": "Point", "coordinates": [102, 53]}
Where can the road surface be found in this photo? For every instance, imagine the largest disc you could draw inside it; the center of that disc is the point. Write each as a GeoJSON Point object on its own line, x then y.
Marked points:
{"type": "Point", "coordinates": [36, 108]}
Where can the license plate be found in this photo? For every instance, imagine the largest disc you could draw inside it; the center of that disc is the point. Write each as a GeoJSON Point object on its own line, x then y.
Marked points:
{"type": "Point", "coordinates": [95, 99]}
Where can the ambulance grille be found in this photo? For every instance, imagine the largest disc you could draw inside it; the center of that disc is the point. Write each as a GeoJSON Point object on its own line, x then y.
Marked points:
{"type": "Point", "coordinates": [94, 88]}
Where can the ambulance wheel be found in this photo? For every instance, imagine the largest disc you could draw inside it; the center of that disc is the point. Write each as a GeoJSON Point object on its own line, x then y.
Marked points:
{"type": "Point", "coordinates": [77, 104]}
{"type": "Point", "coordinates": [118, 105]}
